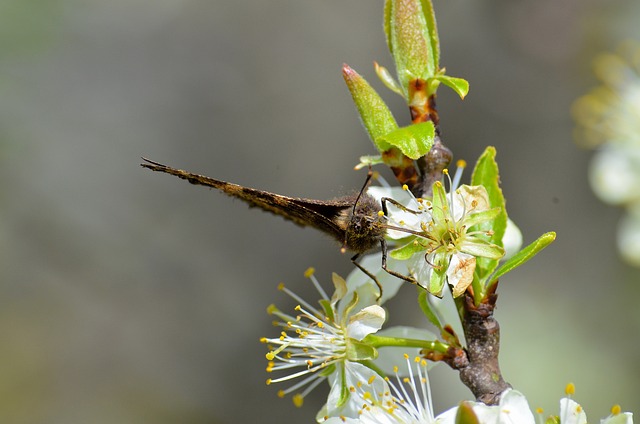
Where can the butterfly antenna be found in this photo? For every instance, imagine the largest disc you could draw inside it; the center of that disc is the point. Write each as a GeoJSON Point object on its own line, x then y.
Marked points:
{"type": "Point", "coordinates": [355, 204]}
{"type": "Point", "coordinates": [363, 189]}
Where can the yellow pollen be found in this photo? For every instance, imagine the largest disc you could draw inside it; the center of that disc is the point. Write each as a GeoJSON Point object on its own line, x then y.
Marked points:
{"type": "Point", "coordinates": [297, 308]}
{"type": "Point", "coordinates": [539, 411]}
{"type": "Point", "coordinates": [406, 380]}
{"type": "Point", "coordinates": [423, 362]}
{"type": "Point", "coordinates": [445, 171]}
{"type": "Point", "coordinates": [417, 359]}
{"type": "Point", "coordinates": [281, 393]}
{"type": "Point", "coordinates": [321, 325]}
{"type": "Point", "coordinates": [578, 408]}
{"type": "Point", "coordinates": [298, 400]}
{"type": "Point", "coordinates": [616, 410]}
{"type": "Point", "coordinates": [395, 368]}
{"type": "Point", "coordinates": [352, 389]}
{"type": "Point", "coordinates": [406, 356]}
{"type": "Point", "coordinates": [309, 363]}
{"type": "Point", "coordinates": [380, 213]}
{"type": "Point", "coordinates": [281, 286]}
{"type": "Point", "coordinates": [309, 272]}
{"type": "Point", "coordinates": [386, 379]}
{"type": "Point", "coordinates": [474, 204]}
{"type": "Point", "coordinates": [375, 175]}
{"type": "Point", "coordinates": [401, 223]}
{"type": "Point", "coordinates": [461, 163]}
{"type": "Point", "coordinates": [271, 309]}
{"type": "Point", "coordinates": [405, 187]}
{"type": "Point", "coordinates": [373, 377]}
{"type": "Point", "coordinates": [367, 395]}
{"type": "Point", "coordinates": [268, 381]}
{"type": "Point", "coordinates": [263, 340]}
{"type": "Point", "coordinates": [270, 356]}
{"type": "Point", "coordinates": [359, 384]}
{"type": "Point", "coordinates": [570, 389]}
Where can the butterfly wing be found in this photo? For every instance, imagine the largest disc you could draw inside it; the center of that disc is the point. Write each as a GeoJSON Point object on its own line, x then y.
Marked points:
{"type": "Point", "coordinates": [331, 217]}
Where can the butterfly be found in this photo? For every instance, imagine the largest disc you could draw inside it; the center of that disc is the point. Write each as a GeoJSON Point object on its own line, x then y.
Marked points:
{"type": "Point", "coordinates": [356, 221]}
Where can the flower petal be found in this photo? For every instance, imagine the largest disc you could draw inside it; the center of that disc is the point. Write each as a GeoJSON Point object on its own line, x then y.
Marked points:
{"type": "Point", "coordinates": [367, 321]}
{"type": "Point", "coordinates": [571, 412]}
{"type": "Point", "coordinates": [460, 272]}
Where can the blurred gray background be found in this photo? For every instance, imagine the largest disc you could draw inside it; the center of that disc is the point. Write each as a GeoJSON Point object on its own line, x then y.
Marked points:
{"type": "Point", "coordinates": [129, 297]}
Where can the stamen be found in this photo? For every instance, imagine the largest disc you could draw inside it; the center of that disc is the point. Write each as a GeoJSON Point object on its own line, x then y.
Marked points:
{"type": "Point", "coordinates": [570, 389]}
{"type": "Point", "coordinates": [300, 300]}
{"type": "Point", "coordinates": [460, 164]}
{"type": "Point", "coordinates": [310, 275]}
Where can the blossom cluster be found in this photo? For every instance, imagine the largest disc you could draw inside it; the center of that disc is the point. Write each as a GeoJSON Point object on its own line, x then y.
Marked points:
{"type": "Point", "coordinates": [339, 342]}
{"type": "Point", "coordinates": [608, 119]}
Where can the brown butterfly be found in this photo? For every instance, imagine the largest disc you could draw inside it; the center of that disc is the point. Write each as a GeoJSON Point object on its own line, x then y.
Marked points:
{"type": "Point", "coordinates": [354, 221]}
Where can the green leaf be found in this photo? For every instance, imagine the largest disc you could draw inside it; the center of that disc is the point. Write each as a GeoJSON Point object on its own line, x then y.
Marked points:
{"type": "Point", "coordinates": [487, 175]}
{"type": "Point", "coordinates": [459, 85]}
{"type": "Point", "coordinates": [386, 22]}
{"type": "Point", "coordinates": [387, 79]}
{"type": "Point", "coordinates": [432, 28]}
{"type": "Point", "coordinates": [423, 301]}
{"type": "Point", "coordinates": [465, 414]}
{"type": "Point", "coordinates": [524, 255]}
{"type": "Point", "coordinates": [413, 141]}
{"type": "Point", "coordinates": [376, 116]}
{"type": "Point", "coordinates": [367, 161]}
{"type": "Point", "coordinates": [411, 45]}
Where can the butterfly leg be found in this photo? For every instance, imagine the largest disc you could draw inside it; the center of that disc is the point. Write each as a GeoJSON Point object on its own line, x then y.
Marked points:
{"type": "Point", "coordinates": [406, 278]}
{"type": "Point", "coordinates": [397, 204]}
{"type": "Point", "coordinates": [354, 259]}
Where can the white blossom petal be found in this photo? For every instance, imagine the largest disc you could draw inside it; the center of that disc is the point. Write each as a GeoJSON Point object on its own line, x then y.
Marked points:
{"type": "Point", "coordinates": [571, 412]}
{"type": "Point", "coordinates": [511, 240]}
{"type": "Point", "coordinates": [367, 321]}
{"type": "Point", "coordinates": [460, 272]}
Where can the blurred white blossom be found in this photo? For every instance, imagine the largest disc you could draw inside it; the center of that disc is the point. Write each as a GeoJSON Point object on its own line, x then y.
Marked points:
{"type": "Point", "coordinates": [608, 119]}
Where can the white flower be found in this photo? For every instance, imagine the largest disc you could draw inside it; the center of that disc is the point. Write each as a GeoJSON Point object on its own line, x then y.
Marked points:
{"type": "Point", "coordinates": [512, 409]}
{"type": "Point", "coordinates": [609, 116]}
{"type": "Point", "coordinates": [442, 245]}
{"type": "Point", "coordinates": [615, 174]}
{"type": "Point", "coordinates": [571, 412]}
{"type": "Point", "coordinates": [629, 236]}
{"type": "Point", "coordinates": [512, 239]}
{"type": "Point", "coordinates": [386, 401]}
{"type": "Point", "coordinates": [320, 341]}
